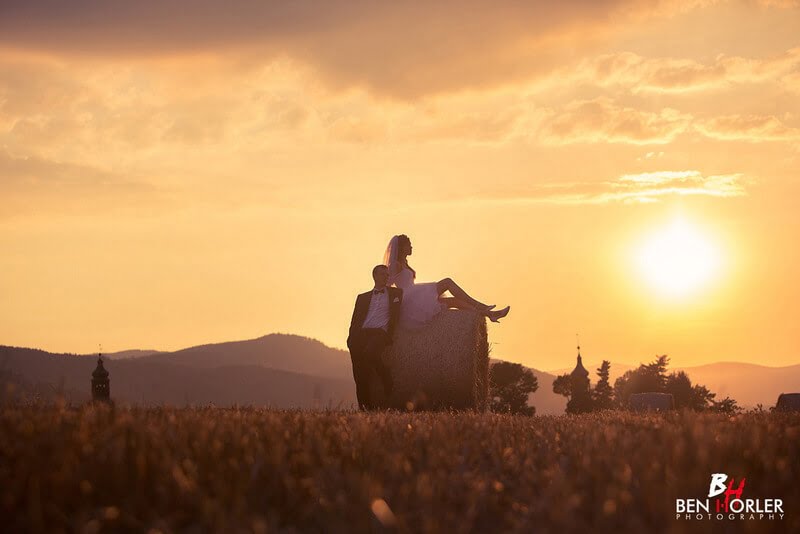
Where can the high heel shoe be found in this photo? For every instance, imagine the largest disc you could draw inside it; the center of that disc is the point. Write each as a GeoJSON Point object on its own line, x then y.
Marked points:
{"type": "Point", "coordinates": [495, 316]}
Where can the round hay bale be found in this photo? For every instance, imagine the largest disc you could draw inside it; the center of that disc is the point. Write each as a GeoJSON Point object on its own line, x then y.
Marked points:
{"type": "Point", "coordinates": [444, 364]}
{"type": "Point", "coordinates": [651, 401]}
{"type": "Point", "coordinates": [788, 402]}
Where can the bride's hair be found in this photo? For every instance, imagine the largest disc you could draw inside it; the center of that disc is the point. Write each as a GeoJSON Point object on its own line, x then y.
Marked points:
{"type": "Point", "coordinates": [403, 241]}
{"type": "Point", "coordinates": [392, 253]}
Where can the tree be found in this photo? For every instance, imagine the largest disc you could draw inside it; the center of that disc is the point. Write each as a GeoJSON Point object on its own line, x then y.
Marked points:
{"type": "Point", "coordinates": [726, 405]}
{"type": "Point", "coordinates": [702, 398]}
{"type": "Point", "coordinates": [653, 377]}
{"type": "Point", "coordinates": [657, 371]}
{"type": "Point", "coordinates": [575, 387]}
{"type": "Point", "coordinates": [509, 387]}
{"type": "Point", "coordinates": [648, 377]}
{"type": "Point", "coordinates": [602, 394]}
{"type": "Point", "coordinates": [562, 385]}
{"type": "Point", "coordinates": [682, 390]}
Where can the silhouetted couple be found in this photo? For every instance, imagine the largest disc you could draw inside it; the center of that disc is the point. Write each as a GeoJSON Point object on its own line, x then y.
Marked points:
{"type": "Point", "coordinates": [378, 311]}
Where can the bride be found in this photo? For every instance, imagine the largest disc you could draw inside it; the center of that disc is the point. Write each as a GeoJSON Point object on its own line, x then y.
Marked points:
{"type": "Point", "coordinates": [422, 301]}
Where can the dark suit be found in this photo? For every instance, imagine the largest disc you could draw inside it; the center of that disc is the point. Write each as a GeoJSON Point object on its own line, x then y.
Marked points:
{"type": "Point", "coordinates": [367, 344]}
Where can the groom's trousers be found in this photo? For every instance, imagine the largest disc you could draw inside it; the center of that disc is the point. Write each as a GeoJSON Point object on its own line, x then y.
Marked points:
{"type": "Point", "coordinates": [365, 355]}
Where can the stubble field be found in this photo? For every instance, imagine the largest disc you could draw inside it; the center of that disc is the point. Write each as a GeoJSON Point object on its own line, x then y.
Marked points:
{"type": "Point", "coordinates": [94, 469]}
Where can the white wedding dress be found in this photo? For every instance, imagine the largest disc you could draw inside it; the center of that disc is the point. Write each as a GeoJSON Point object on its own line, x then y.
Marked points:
{"type": "Point", "coordinates": [420, 301]}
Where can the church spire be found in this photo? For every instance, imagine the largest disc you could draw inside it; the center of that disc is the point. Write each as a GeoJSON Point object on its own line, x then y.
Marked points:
{"type": "Point", "coordinates": [579, 368]}
{"type": "Point", "coordinates": [100, 382]}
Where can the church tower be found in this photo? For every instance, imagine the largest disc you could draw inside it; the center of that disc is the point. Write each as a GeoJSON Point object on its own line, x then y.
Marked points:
{"type": "Point", "coordinates": [101, 390]}
{"type": "Point", "coordinates": [581, 396]}
{"type": "Point", "coordinates": [579, 371]}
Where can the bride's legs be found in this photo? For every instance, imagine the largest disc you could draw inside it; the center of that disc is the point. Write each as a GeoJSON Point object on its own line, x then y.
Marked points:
{"type": "Point", "coordinates": [453, 302]}
{"type": "Point", "coordinates": [448, 284]}
{"type": "Point", "coordinates": [494, 315]}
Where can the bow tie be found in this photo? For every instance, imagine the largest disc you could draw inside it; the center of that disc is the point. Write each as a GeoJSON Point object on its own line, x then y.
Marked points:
{"type": "Point", "coordinates": [376, 292]}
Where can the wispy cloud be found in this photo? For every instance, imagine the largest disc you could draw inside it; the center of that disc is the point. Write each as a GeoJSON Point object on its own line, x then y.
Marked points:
{"type": "Point", "coordinates": [649, 187]}
{"type": "Point", "coordinates": [401, 49]}
{"type": "Point", "coordinates": [791, 82]}
{"type": "Point", "coordinates": [667, 74]}
{"type": "Point", "coordinates": [34, 185]}
{"type": "Point", "coordinates": [755, 128]}
{"type": "Point", "coordinates": [658, 177]}
{"type": "Point", "coordinates": [784, 4]}
{"type": "Point", "coordinates": [653, 186]}
{"type": "Point", "coordinates": [603, 120]}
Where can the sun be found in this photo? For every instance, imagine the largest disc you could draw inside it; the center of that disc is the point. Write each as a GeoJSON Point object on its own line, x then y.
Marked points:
{"type": "Point", "coordinates": [678, 260]}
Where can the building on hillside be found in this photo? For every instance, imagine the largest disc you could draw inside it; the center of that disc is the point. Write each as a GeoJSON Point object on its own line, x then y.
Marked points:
{"type": "Point", "coordinates": [581, 398]}
{"type": "Point", "coordinates": [101, 389]}
{"type": "Point", "coordinates": [579, 371]}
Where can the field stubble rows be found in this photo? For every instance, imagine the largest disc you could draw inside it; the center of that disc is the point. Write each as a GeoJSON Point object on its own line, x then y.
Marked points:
{"type": "Point", "coordinates": [256, 470]}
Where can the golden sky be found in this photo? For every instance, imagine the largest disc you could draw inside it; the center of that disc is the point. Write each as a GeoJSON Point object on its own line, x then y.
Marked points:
{"type": "Point", "coordinates": [173, 173]}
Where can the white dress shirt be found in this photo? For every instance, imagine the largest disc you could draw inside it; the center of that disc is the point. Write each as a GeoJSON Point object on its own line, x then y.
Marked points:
{"type": "Point", "coordinates": [378, 313]}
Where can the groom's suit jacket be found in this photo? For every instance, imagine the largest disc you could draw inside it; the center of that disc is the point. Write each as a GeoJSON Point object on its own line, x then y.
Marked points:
{"type": "Point", "coordinates": [362, 307]}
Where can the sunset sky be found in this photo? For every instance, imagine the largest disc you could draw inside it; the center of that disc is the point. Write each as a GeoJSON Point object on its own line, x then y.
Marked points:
{"type": "Point", "coordinates": [174, 173]}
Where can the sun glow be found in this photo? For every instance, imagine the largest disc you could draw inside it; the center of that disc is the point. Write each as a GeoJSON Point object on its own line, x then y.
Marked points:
{"type": "Point", "coordinates": [678, 260]}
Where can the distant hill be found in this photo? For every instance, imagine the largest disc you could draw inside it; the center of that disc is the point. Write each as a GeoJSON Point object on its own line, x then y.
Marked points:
{"type": "Point", "coordinates": [278, 351]}
{"type": "Point", "coordinates": [294, 371]}
{"type": "Point", "coordinates": [748, 383]}
{"type": "Point", "coordinates": [278, 369]}
{"type": "Point", "coordinates": [135, 353]}
{"type": "Point", "coordinates": [545, 401]}
{"type": "Point", "coordinates": [146, 380]}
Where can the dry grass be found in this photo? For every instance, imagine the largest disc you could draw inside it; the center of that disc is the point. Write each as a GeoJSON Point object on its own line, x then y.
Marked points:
{"type": "Point", "coordinates": [444, 364]}
{"type": "Point", "coordinates": [258, 470]}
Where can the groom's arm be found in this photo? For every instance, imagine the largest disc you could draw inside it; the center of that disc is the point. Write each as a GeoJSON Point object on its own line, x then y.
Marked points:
{"type": "Point", "coordinates": [394, 313]}
{"type": "Point", "coordinates": [353, 323]}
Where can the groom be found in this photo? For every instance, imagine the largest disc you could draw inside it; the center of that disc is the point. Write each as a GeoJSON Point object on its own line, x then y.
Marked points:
{"type": "Point", "coordinates": [371, 330]}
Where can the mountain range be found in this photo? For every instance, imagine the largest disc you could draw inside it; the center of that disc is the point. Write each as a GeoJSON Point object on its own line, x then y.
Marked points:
{"type": "Point", "coordinates": [289, 371]}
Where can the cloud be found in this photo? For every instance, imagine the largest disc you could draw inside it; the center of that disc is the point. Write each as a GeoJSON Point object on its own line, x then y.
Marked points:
{"type": "Point", "coordinates": [602, 120]}
{"type": "Point", "coordinates": [401, 49]}
{"type": "Point", "coordinates": [648, 187]}
{"type": "Point", "coordinates": [33, 185]}
{"type": "Point", "coordinates": [742, 69]}
{"type": "Point", "coordinates": [481, 126]}
{"type": "Point", "coordinates": [651, 187]}
{"type": "Point", "coordinates": [475, 118]}
{"type": "Point", "coordinates": [657, 178]}
{"type": "Point", "coordinates": [34, 170]}
{"type": "Point", "coordinates": [755, 128]}
{"type": "Point", "coordinates": [643, 188]}
{"type": "Point", "coordinates": [641, 74]}
{"type": "Point", "coordinates": [791, 82]}
{"type": "Point", "coordinates": [133, 114]}
{"type": "Point", "coordinates": [782, 4]}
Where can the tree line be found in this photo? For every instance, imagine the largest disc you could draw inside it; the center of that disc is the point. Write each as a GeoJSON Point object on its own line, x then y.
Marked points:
{"type": "Point", "coordinates": [648, 377]}
{"type": "Point", "coordinates": [511, 383]}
